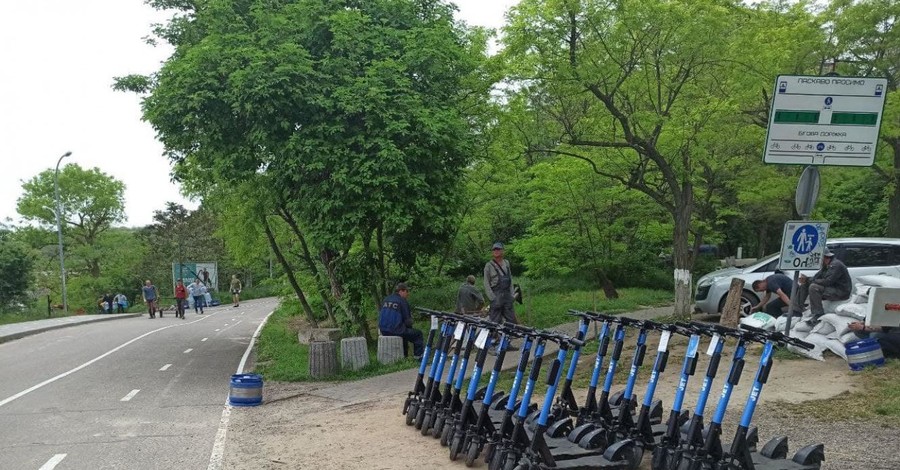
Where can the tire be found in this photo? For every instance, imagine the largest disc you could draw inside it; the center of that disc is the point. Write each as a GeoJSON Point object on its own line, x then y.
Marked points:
{"type": "Point", "coordinates": [456, 445]}
{"type": "Point", "coordinates": [748, 301]}
{"type": "Point", "coordinates": [420, 417]}
{"type": "Point", "coordinates": [438, 427]}
{"type": "Point", "coordinates": [511, 462]}
{"type": "Point", "coordinates": [411, 415]}
{"type": "Point", "coordinates": [445, 435]}
{"type": "Point", "coordinates": [472, 454]}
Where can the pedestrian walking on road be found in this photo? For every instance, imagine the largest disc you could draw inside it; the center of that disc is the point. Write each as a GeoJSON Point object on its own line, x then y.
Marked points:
{"type": "Point", "coordinates": [180, 298]}
{"type": "Point", "coordinates": [121, 302]}
{"type": "Point", "coordinates": [198, 292]}
{"type": "Point", "coordinates": [235, 290]}
{"type": "Point", "coordinates": [151, 298]}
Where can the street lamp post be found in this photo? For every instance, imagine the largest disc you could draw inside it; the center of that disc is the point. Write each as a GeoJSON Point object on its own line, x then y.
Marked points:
{"type": "Point", "coordinates": [62, 261]}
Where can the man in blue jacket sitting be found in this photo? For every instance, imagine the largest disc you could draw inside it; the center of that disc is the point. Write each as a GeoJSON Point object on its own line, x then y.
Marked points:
{"type": "Point", "coordinates": [395, 319]}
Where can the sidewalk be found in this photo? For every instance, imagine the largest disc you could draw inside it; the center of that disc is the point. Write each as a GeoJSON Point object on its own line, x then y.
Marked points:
{"type": "Point", "coordinates": [20, 330]}
{"type": "Point", "coordinates": [382, 386]}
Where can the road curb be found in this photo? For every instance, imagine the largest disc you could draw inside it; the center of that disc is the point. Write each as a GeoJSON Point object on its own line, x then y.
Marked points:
{"type": "Point", "coordinates": [23, 334]}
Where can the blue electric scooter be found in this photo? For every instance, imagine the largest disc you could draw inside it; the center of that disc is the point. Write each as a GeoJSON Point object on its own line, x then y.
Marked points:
{"type": "Point", "coordinates": [411, 404]}
{"type": "Point", "coordinates": [451, 403]}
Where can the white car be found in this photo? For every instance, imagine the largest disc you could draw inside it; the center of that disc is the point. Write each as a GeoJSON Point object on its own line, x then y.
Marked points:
{"type": "Point", "coordinates": [862, 256]}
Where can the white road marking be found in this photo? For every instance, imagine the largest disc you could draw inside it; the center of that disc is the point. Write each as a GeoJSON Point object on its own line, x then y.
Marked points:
{"type": "Point", "coordinates": [165, 367]}
{"type": "Point", "coordinates": [188, 350]}
{"type": "Point", "coordinates": [53, 462]}
{"type": "Point", "coordinates": [218, 329]}
{"type": "Point", "coordinates": [204, 339]}
{"type": "Point", "coordinates": [218, 452]}
{"type": "Point", "coordinates": [130, 395]}
{"type": "Point", "coordinates": [49, 381]}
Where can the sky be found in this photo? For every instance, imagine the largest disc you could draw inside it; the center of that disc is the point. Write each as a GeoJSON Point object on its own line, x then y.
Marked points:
{"type": "Point", "coordinates": [57, 63]}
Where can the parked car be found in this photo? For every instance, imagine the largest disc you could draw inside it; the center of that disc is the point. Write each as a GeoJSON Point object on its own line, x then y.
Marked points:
{"type": "Point", "coordinates": [861, 255]}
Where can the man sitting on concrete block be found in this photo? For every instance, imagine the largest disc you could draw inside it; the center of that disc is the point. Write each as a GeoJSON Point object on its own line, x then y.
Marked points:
{"type": "Point", "coordinates": [395, 319]}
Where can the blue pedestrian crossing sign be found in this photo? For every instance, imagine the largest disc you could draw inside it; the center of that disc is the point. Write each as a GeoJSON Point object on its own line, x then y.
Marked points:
{"type": "Point", "coordinates": [803, 245]}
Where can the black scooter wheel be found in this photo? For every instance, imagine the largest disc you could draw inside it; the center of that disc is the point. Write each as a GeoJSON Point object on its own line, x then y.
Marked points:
{"type": "Point", "coordinates": [420, 417]}
{"type": "Point", "coordinates": [438, 427]}
{"type": "Point", "coordinates": [411, 415]}
{"type": "Point", "coordinates": [455, 446]}
{"type": "Point", "coordinates": [511, 462]}
{"type": "Point", "coordinates": [445, 435]}
{"type": "Point", "coordinates": [472, 454]}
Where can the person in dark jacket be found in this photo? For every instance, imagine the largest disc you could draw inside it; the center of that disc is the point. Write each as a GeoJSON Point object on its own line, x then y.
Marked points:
{"type": "Point", "coordinates": [777, 284]}
{"type": "Point", "coordinates": [888, 338]}
{"type": "Point", "coordinates": [395, 319]}
{"type": "Point", "coordinates": [468, 298]}
{"type": "Point", "coordinates": [832, 282]}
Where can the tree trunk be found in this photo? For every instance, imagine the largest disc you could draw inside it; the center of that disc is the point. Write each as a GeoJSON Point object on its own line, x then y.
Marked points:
{"type": "Point", "coordinates": [329, 259]}
{"type": "Point", "coordinates": [310, 264]}
{"type": "Point", "coordinates": [683, 259]}
{"type": "Point", "coordinates": [384, 286]}
{"type": "Point", "coordinates": [289, 272]}
{"type": "Point", "coordinates": [893, 225]}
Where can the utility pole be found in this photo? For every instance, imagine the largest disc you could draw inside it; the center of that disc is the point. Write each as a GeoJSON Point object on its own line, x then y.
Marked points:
{"type": "Point", "coordinates": [62, 261]}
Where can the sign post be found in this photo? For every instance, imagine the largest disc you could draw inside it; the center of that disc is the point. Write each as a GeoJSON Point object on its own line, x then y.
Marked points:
{"type": "Point", "coordinates": [828, 120]}
{"type": "Point", "coordinates": [802, 247]}
{"type": "Point", "coordinates": [825, 120]}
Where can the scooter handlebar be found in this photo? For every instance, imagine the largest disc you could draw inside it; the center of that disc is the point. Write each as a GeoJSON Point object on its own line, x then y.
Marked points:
{"type": "Point", "coordinates": [777, 337]}
{"type": "Point", "coordinates": [596, 316]}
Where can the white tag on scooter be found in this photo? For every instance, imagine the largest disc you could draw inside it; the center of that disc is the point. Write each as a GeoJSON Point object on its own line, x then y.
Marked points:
{"type": "Point", "coordinates": [664, 341]}
{"type": "Point", "coordinates": [434, 322]}
{"type": "Point", "coordinates": [458, 332]}
{"type": "Point", "coordinates": [481, 340]}
{"type": "Point", "coordinates": [712, 344]}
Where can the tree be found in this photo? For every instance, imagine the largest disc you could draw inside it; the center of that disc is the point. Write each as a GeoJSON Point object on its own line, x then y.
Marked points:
{"type": "Point", "coordinates": [16, 263]}
{"type": "Point", "coordinates": [648, 93]}
{"type": "Point", "coordinates": [90, 202]}
{"type": "Point", "coordinates": [362, 114]}
{"type": "Point", "coordinates": [866, 42]}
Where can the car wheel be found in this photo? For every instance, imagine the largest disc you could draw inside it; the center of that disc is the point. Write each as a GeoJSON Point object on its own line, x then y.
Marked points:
{"type": "Point", "coordinates": [748, 301]}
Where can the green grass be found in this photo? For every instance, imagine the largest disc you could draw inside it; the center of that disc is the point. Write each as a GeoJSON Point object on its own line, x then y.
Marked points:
{"type": "Point", "coordinates": [546, 301]}
{"type": "Point", "coordinates": [29, 315]}
{"type": "Point", "coordinates": [280, 356]}
{"type": "Point", "coordinates": [877, 398]}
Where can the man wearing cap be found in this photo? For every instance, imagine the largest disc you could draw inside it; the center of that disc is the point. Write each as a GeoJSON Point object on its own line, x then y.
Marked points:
{"type": "Point", "coordinates": [395, 319]}
{"type": "Point", "coordinates": [498, 285]}
{"type": "Point", "coordinates": [832, 282]}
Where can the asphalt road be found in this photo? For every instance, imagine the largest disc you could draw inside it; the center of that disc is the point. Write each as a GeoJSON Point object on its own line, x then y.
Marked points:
{"type": "Point", "coordinates": [127, 394]}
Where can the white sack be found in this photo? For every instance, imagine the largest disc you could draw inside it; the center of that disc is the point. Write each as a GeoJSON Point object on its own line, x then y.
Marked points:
{"type": "Point", "coordinates": [819, 342]}
{"type": "Point", "coordinates": [829, 306]}
{"type": "Point", "coordinates": [849, 337]}
{"type": "Point", "coordinates": [840, 324]}
{"type": "Point", "coordinates": [837, 347]}
{"type": "Point", "coordinates": [879, 280]}
{"type": "Point", "coordinates": [801, 327]}
{"type": "Point", "coordinates": [780, 322]}
{"type": "Point", "coordinates": [799, 334]}
{"type": "Point", "coordinates": [855, 311]}
{"type": "Point", "coordinates": [760, 320]}
{"type": "Point", "coordinates": [822, 328]}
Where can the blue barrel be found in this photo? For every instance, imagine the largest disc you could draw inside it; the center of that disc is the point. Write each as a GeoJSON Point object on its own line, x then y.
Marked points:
{"type": "Point", "coordinates": [246, 390]}
{"type": "Point", "coordinates": [864, 353]}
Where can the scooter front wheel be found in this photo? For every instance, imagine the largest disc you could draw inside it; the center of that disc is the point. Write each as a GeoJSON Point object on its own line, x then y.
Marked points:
{"type": "Point", "coordinates": [455, 446]}
{"type": "Point", "coordinates": [411, 413]}
{"type": "Point", "coordinates": [472, 454]}
{"type": "Point", "coordinates": [438, 427]}
{"type": "Point", "coordinates": [420, 417]}
{"type": "Point", "coordinates": [445, 434]}
{"type": "Point", "coordinates": [512, 461]}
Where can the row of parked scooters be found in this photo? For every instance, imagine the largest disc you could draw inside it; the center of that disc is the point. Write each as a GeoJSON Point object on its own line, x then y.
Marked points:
{"type": "Point", "coordinates": [609, 431]}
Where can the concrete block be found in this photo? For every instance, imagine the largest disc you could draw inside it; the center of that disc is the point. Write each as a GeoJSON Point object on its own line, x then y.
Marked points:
{"type": "Point", "coordinates": [319, 334]}
{"type": "Point", "coordinates": [323, 361]}
{"type": "Point", "coordinates": [390, 349]}
{"type": "Point", "coordinates": [354, 353]}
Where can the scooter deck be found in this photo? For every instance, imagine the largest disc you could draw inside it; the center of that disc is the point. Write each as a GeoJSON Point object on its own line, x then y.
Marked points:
{"type": "Point", "coordinates": [764, 463]}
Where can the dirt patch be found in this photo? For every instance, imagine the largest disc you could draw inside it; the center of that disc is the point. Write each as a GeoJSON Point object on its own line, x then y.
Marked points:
{"type": "Point", "coordinates": [303, 426]}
